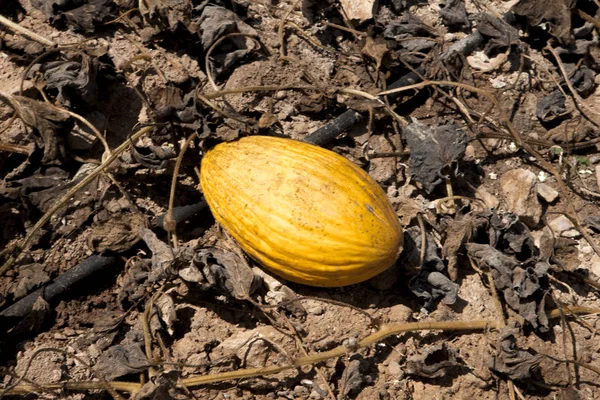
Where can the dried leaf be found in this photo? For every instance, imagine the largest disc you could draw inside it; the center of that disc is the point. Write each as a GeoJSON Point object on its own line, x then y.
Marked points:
{"type": "Point", "coordinates": [351, 380]}
{"type": "Point", "coordinates": [87, 16]}
{"type": "Point", "coordinates": [557, 13]}
{"type": "Point", "coordinates": [432, 148]}
{"type": "Point", "coordinates": [75, 81]}
{"type": "Point", "coordinates": [429, 283]}
{"type": "Point", "coordinates": [227, 272]}
{"type": "Point", "coordinates": [499, 33]}
{"type": "Point", "coordinates": [432, 362]}
{"type": "Point", "coordinates": [376, 49]}
{"type": "Point", "coordinates": [510, 360]}
{"type": "Point", "coordinates": [163, 256]}
{"type": "Point", "coordinates": [30, 277]}
{"type": "Point", "coordinates": [121, 360]}
{"type": "Point", "coordinates": [454, 15]}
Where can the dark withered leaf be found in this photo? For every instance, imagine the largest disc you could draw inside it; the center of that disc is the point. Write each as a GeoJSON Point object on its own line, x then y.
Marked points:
{"type": "Point", "coordinates": [352, 379]}
{"type": "Point", "coordinates": [216, 22]}
{"type": "Point", "coordinates": [429, 283]}
{"type": "Point", "coordinates": [593, 222]}
{"type": "Point", "coordinates": [551, 106]}
{"type": "Point", "coordinates": [75, 81]}
{"type": "Point", "coordinates": [117, 234]}
{"type": "Point", "coordinates": [432, 148]}
{"type": "Point", "coordinates": [557, 13]}
{"type": "Point", "coordinates": [432, 361]}
{"type": "Point", "coordinates": [51, 7]}
{"type": "Point", "coordinates": [48, 122]}
{"type": "Point", "coordinates": [408, 32]}
{"type": "Point", "coordinates": [454, 15]}
{"type": "Point", "coordinates": [11, 9]}
{"type": "Point", "coordinates": [499, 34]}
{"type": "Point", "coordinates": [519, 284]}
{"type": "Point", "coordinates": [225, 271]}
{"type": "Point", "coordinates": [167, 14]}
{"type": "Point", "coordinates": [86, 17]}
{"type": "Point", "coordinates": [510, 360]}
{"type": "Point", "coordinates": [121, 360]}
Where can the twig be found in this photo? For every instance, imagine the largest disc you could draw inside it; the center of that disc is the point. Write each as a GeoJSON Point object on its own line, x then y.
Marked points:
{"type": "Point", "coordinates": [14, 148]}
{"type": "Point", "coordinates": [25, 32]}
{"type": "Point", "coordinates": [169, 223]}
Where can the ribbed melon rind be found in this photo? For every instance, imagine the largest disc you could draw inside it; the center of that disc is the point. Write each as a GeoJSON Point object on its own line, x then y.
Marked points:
{"type": "Point", "coordinates": [304, 212]}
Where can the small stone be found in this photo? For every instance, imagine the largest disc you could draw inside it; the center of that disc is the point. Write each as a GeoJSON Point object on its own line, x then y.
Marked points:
{"type": "Point", "coordinates": [562, 226]}
{"type": "Point", "coordinates": [469, 153]}
{"type": "Point", "coordinates": [314, 308]}
{"type": "Point", "coordinates": [547, 193]}
{"type": "Point", "coordinates": [394, 369]}
{"type": "Point", "coordinates": [489, 199]}
{"type": "Point", "coordinates": [519, 189]}
{"type": "Point", "coordinates": [300, 391]}
{"type": "Point", "coordinates": [399, 313]}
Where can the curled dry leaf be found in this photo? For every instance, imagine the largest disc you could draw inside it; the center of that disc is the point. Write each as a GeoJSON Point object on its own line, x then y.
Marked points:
{"type": "Point", "coordinates": [557, 13]}
{"type": "Point", "coordinates": [116, 234]}
{"type": "Point", "coordinates": [224, 270]}
{"type": "Point", "coordinates": [433, 361]}
{"type": "Point", "coordinates": [510, 360]}
{"type": "Point", "coordinates": [454, 15]}
{"type": "Point", "coordinates": [75, 81]}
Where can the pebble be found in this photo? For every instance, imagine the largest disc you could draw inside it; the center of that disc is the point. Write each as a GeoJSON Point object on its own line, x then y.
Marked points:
{"type": "Point", "coordinates": [399, 313]}
{"type": "Point", "coordinates": [562, 226]}
{"type": "Point", "coordinates": [394, 369]}
{"type": "Point", "coordinates": [547, 193]}
{"type": "Point", "coordinates": [519, 189]}
{"type": "Point", "coordinates": [489, 199]}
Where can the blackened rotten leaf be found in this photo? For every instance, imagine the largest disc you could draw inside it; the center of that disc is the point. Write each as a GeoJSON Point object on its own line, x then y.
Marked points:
{"type": "Point", "coordinates": [223, 270]}
{"type": "Point", "coordinates": [81, 15]}
{"type": "Point", "coordinates": [511, 361]}
{"type": "Point", "coordinates": [432, 148]}
{"type": "Point", "coordinates": [520, 284]}
{"type": "Point", "coordinates": [429, 283]}
{"type": "Point", "coordinates": [352, 378]}
{"type": "Point", "coordinates": [75, 81]}
{"type": "Point", "coordinates": [48, 122]}
{"type": "Point", "coordinates": [87, 16]}
{"type": "Point", "coordinates": [454, 15]}
{"type": "Point", "coordinates": [593, 222]}
{"type": "Point", "coordinates": [162, 387]}
{"type": "Point", "coordinates": [556, 12]}
{"type": "Point", "coordinates": [499, 34]}
{"type": "Point", "coordinates": [216, 22]}
{"type": "Point", "coordinates": [433, 361]}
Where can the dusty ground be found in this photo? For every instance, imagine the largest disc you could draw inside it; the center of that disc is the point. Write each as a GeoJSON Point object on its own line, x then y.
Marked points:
{"type": "Point", "coordinates": [149, 69]}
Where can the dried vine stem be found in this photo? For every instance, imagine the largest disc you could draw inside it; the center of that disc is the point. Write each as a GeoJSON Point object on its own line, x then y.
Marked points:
{"type": "Point", "coordinates": [384, 332]}
{"type": "Point", "coordinates": [65, 199]}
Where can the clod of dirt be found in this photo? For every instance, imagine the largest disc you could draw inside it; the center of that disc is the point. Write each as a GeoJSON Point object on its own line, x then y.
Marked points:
{"type": "Point", "coordinates": [547, 193]}
{"type": "Point", "coordinates": [557, 13]}
{"type": "Point", "coordinates": [30, 276]}
{"type": "Point", "coordinates": [454, 15]}
{"type": "Point", "coordinates": [117, 234]}
{"type": "Point", "coordinates": [432, 149]}
{"type": "Point", "coordinates": [360, 10]}
{"type": "Point", "coordinates": [510, 360]}
{"type": "Point", "coordinates": [519, 187]}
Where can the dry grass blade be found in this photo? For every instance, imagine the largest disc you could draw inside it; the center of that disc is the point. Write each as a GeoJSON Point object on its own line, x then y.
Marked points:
{"type": "Point", "coordinates": [25, 32]}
